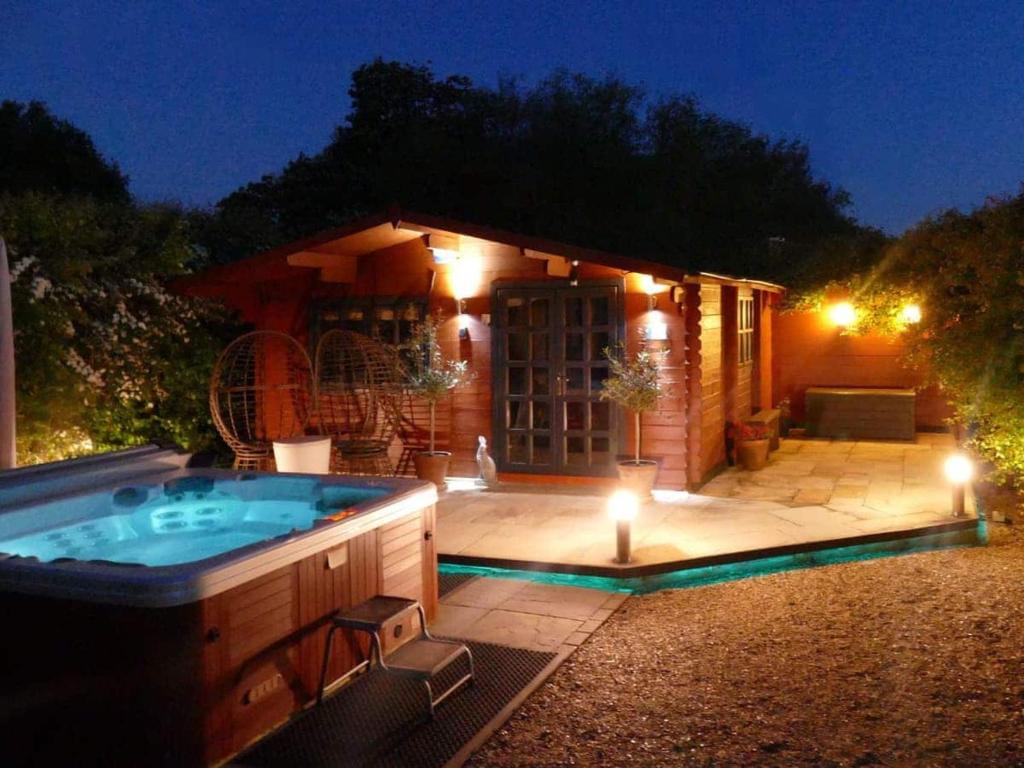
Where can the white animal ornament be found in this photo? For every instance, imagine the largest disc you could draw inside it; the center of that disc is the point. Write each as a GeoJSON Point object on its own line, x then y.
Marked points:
{"type": "Point", "coordinates": [488, 471]}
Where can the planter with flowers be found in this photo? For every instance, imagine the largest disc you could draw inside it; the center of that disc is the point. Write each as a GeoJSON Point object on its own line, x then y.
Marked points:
{"type": "Point", "coordinates": [752, 445]}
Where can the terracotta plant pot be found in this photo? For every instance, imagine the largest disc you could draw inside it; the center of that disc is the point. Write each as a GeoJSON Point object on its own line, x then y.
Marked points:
{"type": "Point", "coordinates": [752, 454]}
{"type": "Point", "coordinates": [433, 467]}
{"type": "Point", "coordinates": [638, 477]}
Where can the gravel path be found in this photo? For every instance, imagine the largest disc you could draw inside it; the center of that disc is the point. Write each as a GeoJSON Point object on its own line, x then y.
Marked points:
{"type": "Point", "coordinates": [905, 661]}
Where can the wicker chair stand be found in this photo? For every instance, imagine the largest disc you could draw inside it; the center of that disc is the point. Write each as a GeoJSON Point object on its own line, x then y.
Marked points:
{"type": "Point", "coordinates": [358, 388]}
{"type": "Point", "coordinates": [261, 390]}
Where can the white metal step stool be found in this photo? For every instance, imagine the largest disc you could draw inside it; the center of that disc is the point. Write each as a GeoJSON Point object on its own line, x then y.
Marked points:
{"type": "Point", "coordinates": [420, 657]}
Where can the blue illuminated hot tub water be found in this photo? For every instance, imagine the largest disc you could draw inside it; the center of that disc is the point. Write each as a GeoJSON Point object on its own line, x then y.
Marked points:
{"type": "Point", "coordinates": [178, 522]}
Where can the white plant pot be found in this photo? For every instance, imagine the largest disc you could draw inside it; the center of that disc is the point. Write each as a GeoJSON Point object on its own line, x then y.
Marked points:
{"type": "Point", "coordinates": [306, 454]}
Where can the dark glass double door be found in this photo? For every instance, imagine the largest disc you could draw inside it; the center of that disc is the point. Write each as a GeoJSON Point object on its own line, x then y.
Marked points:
{"type": "Point", "coordinates": [549, 365]}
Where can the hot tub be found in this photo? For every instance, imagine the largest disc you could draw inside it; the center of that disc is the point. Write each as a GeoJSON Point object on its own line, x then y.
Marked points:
{"type": "Point", "coordinates": [162, 614]}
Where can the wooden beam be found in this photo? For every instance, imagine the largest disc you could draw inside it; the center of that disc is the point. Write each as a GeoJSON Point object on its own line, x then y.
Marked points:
{"type": "Point", "coordinates": [558, 267]}
{"type": "Point", "coordinates": [333, 267]}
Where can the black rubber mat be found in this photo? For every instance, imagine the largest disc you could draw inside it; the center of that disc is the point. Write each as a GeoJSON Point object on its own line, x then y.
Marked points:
{"type": "Point", "coordinates": [446, 582]}
{"type": "Point", "coordinates": [381, 720]}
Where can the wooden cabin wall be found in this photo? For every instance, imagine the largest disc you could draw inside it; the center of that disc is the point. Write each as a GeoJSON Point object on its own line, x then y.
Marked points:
{"type": "Point", "coordinates": [663, 430]}
{"type": "Point", "coordinates": [712, 402]}
{"type": "Point", "coordinates": [809, 351]}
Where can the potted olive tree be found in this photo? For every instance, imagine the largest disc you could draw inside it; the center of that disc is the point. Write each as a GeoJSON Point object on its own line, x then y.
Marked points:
{"type": "Point", "coordinates": [633, 384]}
{"type": "Point", "coordinates": [431, 377]}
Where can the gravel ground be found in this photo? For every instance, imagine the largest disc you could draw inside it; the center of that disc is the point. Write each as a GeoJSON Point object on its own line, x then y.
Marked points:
{"type": "Point", "coordinates": [905, 661]}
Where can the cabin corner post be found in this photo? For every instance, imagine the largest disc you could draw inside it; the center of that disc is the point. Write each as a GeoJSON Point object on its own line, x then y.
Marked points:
{"type": "Point", "coordinates": [692, 311]}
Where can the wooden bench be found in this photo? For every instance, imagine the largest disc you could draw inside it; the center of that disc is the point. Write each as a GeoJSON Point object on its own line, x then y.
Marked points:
{"type": "Point", "coordinates": [769, 417]}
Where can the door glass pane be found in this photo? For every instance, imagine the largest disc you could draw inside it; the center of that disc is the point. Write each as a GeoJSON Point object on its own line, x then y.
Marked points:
{"type": "Point", "coordinates": [539, 313]}
{"type": "Point", "coordinates": [599, 310]}
{"type": "Point", "coordinates": [517, 312]}
{"type": "Point", "coordinates": [598, 376]}
{"type": "Point", "coordinates": [540, 346]}
{"type": "Point", "coordinates": [517, 448]}
{"type": "Point", "coordinates": [574, 451]}
{"type": "Point", "coordinates": [517, 381]}
{"type": "Point", "coordinates": [574, 312]}
{"type": "Point", "coordinates": [541, 449]}
{"type": "Point", "coordinates": [600, 451]}
{"type": "Point", "coordinates": [540, 381]}
{"type": "Point", "coordinates": [517, 346]}
{"type": "Point", "coordinates": [516, 414]}
{"type": "Point", "coordinates": [598, 344]}
{"type": "Point", "coordinates": [541, 415]}
{"type": "Point", "coordinates": [574, 379]}
{"type": "Point", "coordinates": [574, 416]}
{"type": "Point", "coordinates": [599, 416]}
{"type": "Point", "coordinates": [574, 346]}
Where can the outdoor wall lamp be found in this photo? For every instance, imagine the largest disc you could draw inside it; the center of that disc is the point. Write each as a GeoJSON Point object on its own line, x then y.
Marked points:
{"type": "Point", "coordinates": [911, 314]}
{"type": "Point", "coordinates": [842, 314]}
{"type": "Point", "coordinates": [574, 273]}
{"type": "Point", "coordinates": [463, 321]}
{"type": "Point", "coordinates": [623, 506]}
{"type": "Point", "coordinates": [656, 331]}
{"type": "Point", "coordinates": [652, 302]}
{"type": "Point", "coordinates": [959, 470]}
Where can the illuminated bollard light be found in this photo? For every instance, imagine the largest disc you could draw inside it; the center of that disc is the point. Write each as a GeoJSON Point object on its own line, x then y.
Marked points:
{"type": "Point", "coordinates": [622, 508]}
{"type": "Point", "coordinates": [959, 470]}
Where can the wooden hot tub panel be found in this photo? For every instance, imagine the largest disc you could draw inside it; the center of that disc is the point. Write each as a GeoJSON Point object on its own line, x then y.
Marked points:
{"type": "Point", "coordinates": [215, 675]}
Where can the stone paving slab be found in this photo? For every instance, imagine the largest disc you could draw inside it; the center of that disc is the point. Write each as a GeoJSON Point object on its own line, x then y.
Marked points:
{"type": "Point", "coordinates": [812, 490]}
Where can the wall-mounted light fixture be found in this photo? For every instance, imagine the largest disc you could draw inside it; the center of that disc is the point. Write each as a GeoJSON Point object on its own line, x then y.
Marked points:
{"type": "Point", "coordinates": [911, 314]}
{"type": "Point", "coordinates": [444, 248]}
{"type": "Point", "coordinates": [652, 302]}
{"type": "Point", "coordinates": [463, 322]}
{"type": "Point", "coordinates": [656, 331]}
{"type": "Point", "coordinates": [574, 273]}
{"type": "Point", "coordinates": [842, 314]}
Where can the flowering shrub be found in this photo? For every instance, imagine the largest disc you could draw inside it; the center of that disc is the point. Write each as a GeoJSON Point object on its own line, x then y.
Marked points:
{"type": "Point", "coordinates": [106, 357]}
{"type": "Point", "coordinates": [743, 431]}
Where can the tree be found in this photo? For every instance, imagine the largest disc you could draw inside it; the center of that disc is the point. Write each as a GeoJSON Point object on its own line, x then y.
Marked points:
{"type": "Point", "coordinates": [573, 158]}
{"type": "Point", "coordinates": [42, 153]}
{"type": "Point", "coordinates": [965, 271]}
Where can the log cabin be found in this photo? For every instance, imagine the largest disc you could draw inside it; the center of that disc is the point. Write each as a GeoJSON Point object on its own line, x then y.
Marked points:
{"type": "Point", "coordinates": [532, 317]}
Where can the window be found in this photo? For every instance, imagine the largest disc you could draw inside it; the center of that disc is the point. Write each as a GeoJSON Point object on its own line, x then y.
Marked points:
{"type": "Point", "coordinates": [387, 319]}
{"type": "Point", "coordinates": [746, 329]}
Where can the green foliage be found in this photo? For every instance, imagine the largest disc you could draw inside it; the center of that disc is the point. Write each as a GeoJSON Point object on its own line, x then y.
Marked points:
{"type": "Point", "coordinates": [586, 161]}
{"type": "Point", "coordinates": [633, 380]}
{"type": "Point", "coordinates": [430, 375]}
{"type": "Point", "coordinates": [632, 383]}
{"type": "Point", "coordinates": [106, 357]}
{"type": "Point", "coordinates": [41, 153]}
{"type": "Point", "coordinates": [966, 272]}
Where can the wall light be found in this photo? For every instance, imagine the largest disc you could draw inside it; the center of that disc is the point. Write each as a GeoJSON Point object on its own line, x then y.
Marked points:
{"type": "Point", "coordinates": [574, 273]}
{"type": "Point", "coordinates": [959, 470]}
{"type": "Point", "coordinates": [463, 322]}
{"type": "Point", "coordinates": [911, 314]}
{"type": "Point", "coordinates": [623, 507]}
{"type": "Point", "coordinates": [842, 314]}
{"type": "Point", "coordinates": [466, 273]}
{"type": "Point", "coordinates": [656, 331]}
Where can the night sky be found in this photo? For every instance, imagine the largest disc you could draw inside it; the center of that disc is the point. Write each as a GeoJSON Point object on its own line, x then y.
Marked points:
{"type": "Point", "coordinates": [912, 107]}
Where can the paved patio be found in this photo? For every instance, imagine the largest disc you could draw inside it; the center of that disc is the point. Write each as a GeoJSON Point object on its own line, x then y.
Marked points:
{"type": "Point", "coordinates": [813, 490]}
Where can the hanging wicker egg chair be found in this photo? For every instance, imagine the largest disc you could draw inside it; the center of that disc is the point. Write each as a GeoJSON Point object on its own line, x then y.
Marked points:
{"type": "Point", "coordinates": [261, 390]}
{"type": "Point", "coordinates": [358, 391]}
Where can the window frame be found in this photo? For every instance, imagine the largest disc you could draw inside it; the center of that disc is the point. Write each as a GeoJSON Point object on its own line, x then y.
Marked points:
{"type": "Point", "coordinates": [745, 330]}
